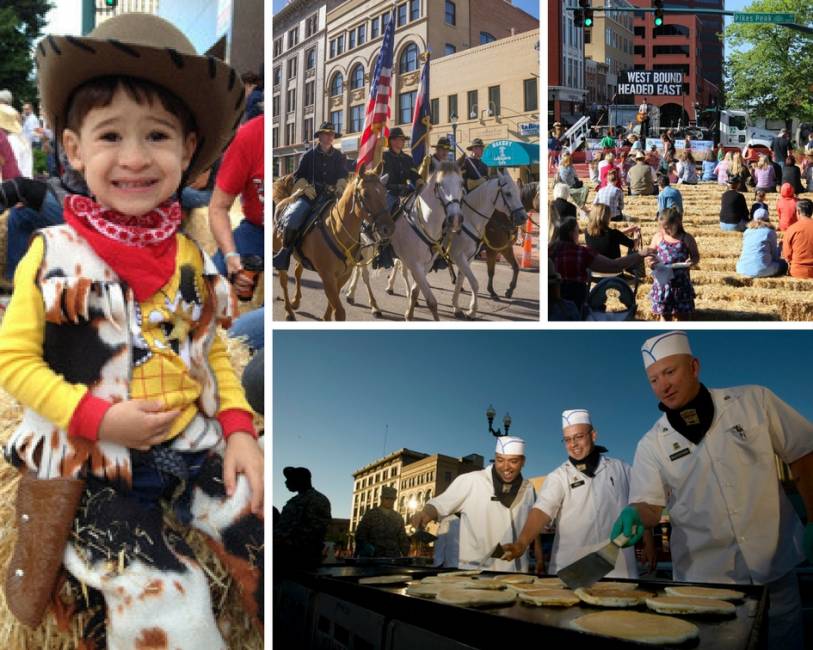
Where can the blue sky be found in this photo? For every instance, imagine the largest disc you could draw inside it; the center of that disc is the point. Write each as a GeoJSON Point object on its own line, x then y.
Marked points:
{"type": "Point", "coordinates": [531, 6]}
{"type": "Point", "coordinates": [337, 393]}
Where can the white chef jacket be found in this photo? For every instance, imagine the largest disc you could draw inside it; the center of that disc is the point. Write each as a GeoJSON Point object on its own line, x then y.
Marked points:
{"type": "Point", "coordinates": [485, 522]}
{"type": "Point", "coordinates": [731, 520]}
{"type": "Point", "coordinates": [585, 510]}
{"type": "Point", "coordinates": [447, 543]}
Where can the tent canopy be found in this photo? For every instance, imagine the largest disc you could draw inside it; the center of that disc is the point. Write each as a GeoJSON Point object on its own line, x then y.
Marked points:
{"type": "Point", "coordinates": [510, 153]}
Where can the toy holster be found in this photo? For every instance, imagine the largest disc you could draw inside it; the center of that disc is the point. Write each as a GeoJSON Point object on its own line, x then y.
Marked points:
{"type": "Point", "coordinates": [45, 511]}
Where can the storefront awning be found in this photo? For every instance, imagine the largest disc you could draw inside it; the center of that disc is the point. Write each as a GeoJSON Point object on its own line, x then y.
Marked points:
{"type": "Point", "coordinates": [510, 153]}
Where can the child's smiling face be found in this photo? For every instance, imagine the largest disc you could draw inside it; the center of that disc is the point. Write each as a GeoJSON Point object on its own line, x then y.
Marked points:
{"type": "Point", "coordinates": [132, 155]}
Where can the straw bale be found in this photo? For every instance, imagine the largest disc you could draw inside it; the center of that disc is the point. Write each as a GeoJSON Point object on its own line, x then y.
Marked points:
{"type": "Point", "coordinates": [722, 294]}
{"type": "Point", "coordinates": [235, 626]}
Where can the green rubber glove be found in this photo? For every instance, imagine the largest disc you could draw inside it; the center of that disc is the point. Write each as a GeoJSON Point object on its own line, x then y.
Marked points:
{"type": "Point", "coordinates": [807, 543]}
{"type": "Point", "coordinates": [629, 522]}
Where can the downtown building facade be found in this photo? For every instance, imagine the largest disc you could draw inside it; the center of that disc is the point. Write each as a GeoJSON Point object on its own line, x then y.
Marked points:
{"type": "Point", "coordinates": [297, 79]}
{"type": "Point", "coordinates": [456, 33]}
{"type": "Point", "coordinates": [415, 475]}
{"type": "Point", "coordinates": [567, 90]}
{"type": "Point", "coordinates": [685, 43]}
{"type": "Point", "coordinates": [609, 51]}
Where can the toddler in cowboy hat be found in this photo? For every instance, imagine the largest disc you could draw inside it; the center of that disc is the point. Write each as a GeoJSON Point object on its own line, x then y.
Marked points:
{"type": "Point", "coordinates": [110, 342]}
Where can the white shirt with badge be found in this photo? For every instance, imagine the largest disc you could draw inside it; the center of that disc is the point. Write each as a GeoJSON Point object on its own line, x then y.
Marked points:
{"type": "Point", "coordinates": [731, 520]}
{"type": "Point", "coordinates": [485, 521]}
{"type": "Point", "coordinates": [585, 510]}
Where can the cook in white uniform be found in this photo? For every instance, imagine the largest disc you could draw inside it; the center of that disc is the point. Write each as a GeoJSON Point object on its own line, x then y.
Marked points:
{"type": "Point", "coordinates": [493, 504]}
{"type": "Point", "coordinates": [584, 496]}
{"type": "Point", "coordinates": [710, 460]}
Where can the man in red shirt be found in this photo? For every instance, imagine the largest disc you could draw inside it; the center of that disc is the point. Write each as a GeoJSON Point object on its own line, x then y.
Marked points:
{"type": "Point", "coordinates": [241, 173]}
{"type": "Point", "coordinates": [797, 245]}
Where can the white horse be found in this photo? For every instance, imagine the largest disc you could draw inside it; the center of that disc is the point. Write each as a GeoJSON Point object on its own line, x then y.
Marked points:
{"type": "Point", "coordinates": [420, 235]}
{"type": "Point", "coordinates": [499, 192]}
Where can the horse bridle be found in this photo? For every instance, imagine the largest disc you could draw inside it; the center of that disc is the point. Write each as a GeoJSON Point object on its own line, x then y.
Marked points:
{"type": "Point", "coordinates": [500, 186]}
{"type": "Point", "coordinates": [357, 195]}
{"type": "Point", "coordinates": [446, 205]}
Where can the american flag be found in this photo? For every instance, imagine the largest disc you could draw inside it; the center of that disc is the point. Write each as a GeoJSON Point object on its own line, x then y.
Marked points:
{"type": "Point", "coordinates": [422, 118]}
{"type": "Point", "coordinates": [378, 105]}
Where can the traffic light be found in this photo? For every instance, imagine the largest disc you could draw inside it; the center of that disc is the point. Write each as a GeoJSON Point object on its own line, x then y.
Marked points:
{"type": "Point", "coordinates": [584, 4]}
{"type": "Point", "coordinates": [658, 4]}
{"type": "Point", "coordinates": [588, 18]}
{"type": "Point", "coordinates": [578, 18]}
{"type": "Point", "coordinates": [110, 4]}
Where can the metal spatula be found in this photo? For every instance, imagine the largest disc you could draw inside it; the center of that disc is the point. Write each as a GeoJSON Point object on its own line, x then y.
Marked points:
{"type": "Point", "coordinates": [594, 566]}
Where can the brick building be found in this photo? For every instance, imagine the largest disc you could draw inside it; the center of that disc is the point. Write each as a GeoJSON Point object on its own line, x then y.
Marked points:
{"type": "Point", "coordinates": [567, 91]}
{"type": "Point", "coordinates": [444, 27]}
{"type": "Point", "coordinates": [678, 46]}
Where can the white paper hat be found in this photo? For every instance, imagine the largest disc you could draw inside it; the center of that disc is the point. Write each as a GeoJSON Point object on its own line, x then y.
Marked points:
{"type": "Point", "coordinates": [576, 416]}
{"type": "Point", "coordinates": [665, 345]}
{"type": "Point", "coordinates": [510, 446]}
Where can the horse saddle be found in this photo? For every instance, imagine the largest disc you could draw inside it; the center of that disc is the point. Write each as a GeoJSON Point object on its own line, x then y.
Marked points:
{"type": "Point", "coordinates": [316, 215]}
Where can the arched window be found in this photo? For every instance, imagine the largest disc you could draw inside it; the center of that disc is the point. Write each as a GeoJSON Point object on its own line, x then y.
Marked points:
{"type": "Point", "coordinates": [337, 85]}
{"type": "Point", "coordinates": [409, 59]}
{"type": "Point", "coordinates": [357, 76]}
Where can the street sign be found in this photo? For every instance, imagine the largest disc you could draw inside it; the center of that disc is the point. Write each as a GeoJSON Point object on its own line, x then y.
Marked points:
{"type": "Point", "coordinates": [741, 17]}
{"type": "Point", "coordinates": [529, 128]}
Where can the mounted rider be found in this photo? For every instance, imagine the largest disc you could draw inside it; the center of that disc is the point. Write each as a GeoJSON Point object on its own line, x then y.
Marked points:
{"type": "Point", "coordinates": [322, 173]}
{"type": "Point", "coordinates": [432, 163]}
{"type": "Point", "coordinates": [468, 165]}
{"type": "Point", "coordinates": [400, 170]}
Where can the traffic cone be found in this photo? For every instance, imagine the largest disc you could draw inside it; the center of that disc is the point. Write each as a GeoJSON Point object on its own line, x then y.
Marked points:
{"type": "Point", "coordinates": [527, 247]}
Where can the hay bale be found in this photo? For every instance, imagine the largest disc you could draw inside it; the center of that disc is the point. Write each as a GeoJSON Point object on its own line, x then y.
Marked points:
{"type": "Point", "coordinates": [722, 294]}
{"type": "Point", "coordinates": [235, 626]}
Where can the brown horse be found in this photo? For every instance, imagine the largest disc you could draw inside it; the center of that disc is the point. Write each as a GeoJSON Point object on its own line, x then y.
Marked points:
{"type": "Point", "coordinates": [500, 235]}
{"type": "Point", "coordinates": [332, 245]}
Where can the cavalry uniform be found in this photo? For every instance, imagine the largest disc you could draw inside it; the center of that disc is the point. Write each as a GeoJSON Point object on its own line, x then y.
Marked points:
{"type": "Point", "coordinates": [468, 165]}
{"type": "Point", "coordinates": [381, 533]}
{"type": "Point", "coordinates": [318, 172]}
{"type": "Point", "coordinates": [484, 520]}
{"type": "Point", "coordinates": [401, 170]}
{"type": "Point", "coordinates": [432, 163]}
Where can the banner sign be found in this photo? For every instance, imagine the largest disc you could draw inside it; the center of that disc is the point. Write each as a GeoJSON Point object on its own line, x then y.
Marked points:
{"type": "Point", "coordinates": [650, 83]}
{"type": "Point", "coordinates": [697, 145]}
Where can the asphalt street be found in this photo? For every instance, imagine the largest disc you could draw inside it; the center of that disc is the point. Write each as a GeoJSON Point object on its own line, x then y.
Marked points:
{"type": "Point", "coordinates": [523, 306]}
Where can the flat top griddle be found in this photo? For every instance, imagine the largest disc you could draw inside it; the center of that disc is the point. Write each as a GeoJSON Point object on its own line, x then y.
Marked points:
{"type": "Point", "coordinates": [481, 627]}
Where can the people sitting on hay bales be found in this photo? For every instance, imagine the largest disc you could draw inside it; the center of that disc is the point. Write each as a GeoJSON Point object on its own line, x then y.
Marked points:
{"type": "Point", "coordinates": [605, 240]}
{"type": "Point", "coordinates": [612, 195]}
{"type": "Point", "coordinates": [792, 174]}
{"type": "Point", "coordinates": [668, 197]}
{"type": "Point", "coordinates": [561, 207]}
{"type": "Point", "coordinates": [574, 261]}
{"type": "Point", "coordinates": [760, 256]}
{"type": "Point", "coordinates": [641, 181]}
{"type": "Point", "coordinates": [672, 294]}
{"type": "Point", "coordinates": [604, 168]}
{"type": "Point", "coordinates": [797, 244]}
{"type": "Point", "coordinates": [734, 213]}
{"type": "Point", "coordinates": [686, 169]}
{"type": "Point", "coordinates": [786, 207]}
{"type": "Point", "coordinates": [566, 173]}
{"type": "Point", "coordinates": [132, 404]}
{"type": "Point", "coordinates": [709, 163]}
{"type": "Point", "coordinates": [721, 170]}
{"type": "Point", "coordinates": [759, 203]}
{"type": "Point", "coordinates": [763, 174]}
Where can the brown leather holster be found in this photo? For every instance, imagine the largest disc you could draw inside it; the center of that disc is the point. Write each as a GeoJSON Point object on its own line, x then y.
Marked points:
{"type": "Point", "coordinates": [45, 511]}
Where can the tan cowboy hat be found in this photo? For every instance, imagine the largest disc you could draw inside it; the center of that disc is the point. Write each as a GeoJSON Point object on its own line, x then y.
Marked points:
{"type": "Point", "coordinates": [9, 119]}
{"type": "Point", "coordinates": [145, 47]}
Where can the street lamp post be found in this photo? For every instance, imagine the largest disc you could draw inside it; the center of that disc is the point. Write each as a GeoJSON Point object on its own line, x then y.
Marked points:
{"type": "Point", "coordinates": [506, 422]}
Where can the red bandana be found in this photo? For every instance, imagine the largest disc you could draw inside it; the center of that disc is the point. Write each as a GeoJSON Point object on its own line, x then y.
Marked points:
{"type": "Point", "coordinates": [141, 250]}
